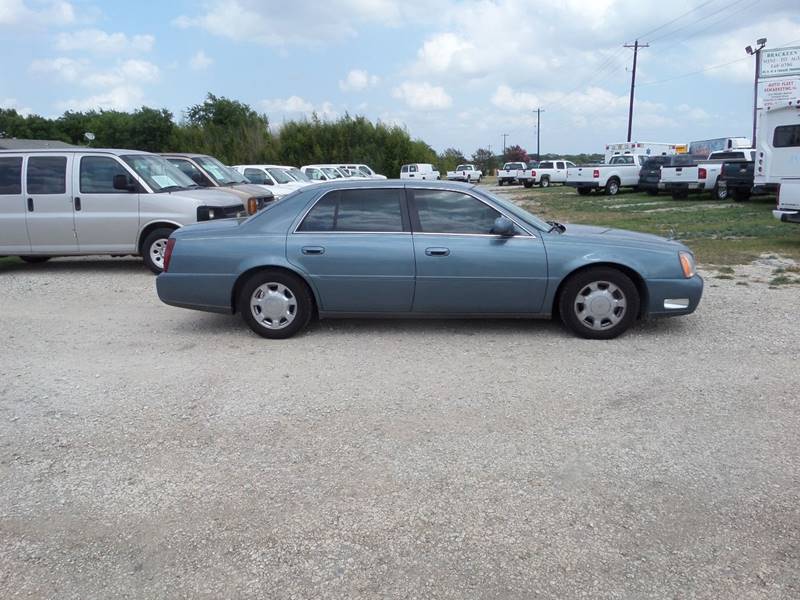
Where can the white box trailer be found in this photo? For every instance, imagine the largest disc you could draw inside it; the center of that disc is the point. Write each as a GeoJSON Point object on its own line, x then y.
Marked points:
{"type": "Point", "coordinates": [722, 144]}
{"type": "Point", "coordinates": [634, 148]}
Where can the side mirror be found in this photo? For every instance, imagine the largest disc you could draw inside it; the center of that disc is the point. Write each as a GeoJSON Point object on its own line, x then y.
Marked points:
{"type": "Point", "coordinates": [504, 227]}
{"type": "Point", "coordinates": [124, 182]}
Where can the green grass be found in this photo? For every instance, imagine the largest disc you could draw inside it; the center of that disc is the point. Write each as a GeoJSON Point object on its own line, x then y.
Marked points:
{"type": "Point", "coordinates": [720, 233]}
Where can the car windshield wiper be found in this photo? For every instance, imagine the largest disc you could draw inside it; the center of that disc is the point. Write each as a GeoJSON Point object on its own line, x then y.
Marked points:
{"type": "Point", "coordinates": [172, 188]}
{"type": "Point", "coordinates": [556, 225]}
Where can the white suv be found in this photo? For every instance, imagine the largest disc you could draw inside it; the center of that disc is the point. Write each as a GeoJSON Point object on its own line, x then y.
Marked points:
{"type": "Point", "coordinates": [83, 201]}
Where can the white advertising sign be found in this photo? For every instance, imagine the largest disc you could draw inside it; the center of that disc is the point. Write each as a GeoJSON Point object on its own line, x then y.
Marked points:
{"type": "Point", "coordinates": [778, 92]}
{"type": "Point", "coordinates": [779, 62]}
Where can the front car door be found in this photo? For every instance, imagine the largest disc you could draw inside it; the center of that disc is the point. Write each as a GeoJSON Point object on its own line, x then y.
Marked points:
{"type": "Point", "coordinates": [356, 247]}
{"type": "Point", "coordinates": [106, 219]}
{"type": "Point", "coordinates": [13, 232]}
{"type": "Point", "coordinates": [561, 172]}
{"type": "Point", "coordinates": [48, 196]}
{"type": "Point", "coordinates": [462, 268]}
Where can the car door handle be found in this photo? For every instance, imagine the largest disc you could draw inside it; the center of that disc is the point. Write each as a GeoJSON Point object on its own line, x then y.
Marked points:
{"type": "Point", "coordinates": [30, 204]}
{"type": "Point", "coordinates": [77, 203]}
{"type": "Point", "coordinates": [313, 250]}
{"type": "Point", "coordinates": [437, 251]}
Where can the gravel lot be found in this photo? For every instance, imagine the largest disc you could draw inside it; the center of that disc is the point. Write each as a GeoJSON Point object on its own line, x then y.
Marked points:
{"type": "Point", "coordinates": [153, 452]}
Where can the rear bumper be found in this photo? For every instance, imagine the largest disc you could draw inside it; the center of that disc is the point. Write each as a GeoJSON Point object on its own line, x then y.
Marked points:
{"type": "Point", "coordinates": [674, 297]}
{"type": "Point", "coordinates": [787, 216]}
{"type": "Point", "coordinates": [670, 186]}
{"type": "Point", "coordinates": [583, 184]}
{"type": "Point", "coordinates": [210, 293]}
{"type": "Point", "coordinates": [651, 185]}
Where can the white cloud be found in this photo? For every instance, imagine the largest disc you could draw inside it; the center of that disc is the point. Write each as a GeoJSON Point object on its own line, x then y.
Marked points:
{"type": "Point", "coordinates": [358, 80]}
{"type": "Point", "coordinates": [123, 97]}
{"type": "Point", "coordinates": [507, 99]}
{"type": "Point", "coordinates": [56, 13]}
{"type": "Point", "coordinates": [81, 72]}
{"type": "Point", "coordinates": [200, 61]}
{"type": "Point", "coordinates": [68, 69]}
{"type": "Point", "coordinates": [100, 42]}
{"type": "Point", "coordinates": [11, 103]}
{"type": "Point", "coordinates": [422, 96]}
{"type": "Point", "coordinates": [295, 106]}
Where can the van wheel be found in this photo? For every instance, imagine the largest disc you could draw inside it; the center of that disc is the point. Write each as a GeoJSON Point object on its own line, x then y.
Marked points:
{"type": "Point", "coordinates": [35, 259]}
{"type": "Point", "coordinates": [153, 248]}
{"type": "Point", "coordinates": [599, 303]}
{"type": "Point", "coordinates": [545, 182]}
{"type": "Point", "coordinates": [612, 187]}
{"type": "Point", "coordinates": [275, 304]}
{"type": "Point", "coordinates": [584, 191]}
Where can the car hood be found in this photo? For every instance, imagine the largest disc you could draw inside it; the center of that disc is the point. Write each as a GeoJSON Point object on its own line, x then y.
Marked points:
{"type": "Point", "coordinates": [248, 190]}
{"type": "Point", "coordinates": [607, 235]}
{"type": "Point", "coordinates": [209, 197]}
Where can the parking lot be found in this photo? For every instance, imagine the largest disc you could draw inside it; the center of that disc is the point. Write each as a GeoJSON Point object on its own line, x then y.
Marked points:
{"type": "Point", "coordinates": [152, 452]}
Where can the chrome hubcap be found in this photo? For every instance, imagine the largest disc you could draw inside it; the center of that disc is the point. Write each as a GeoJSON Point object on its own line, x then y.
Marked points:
{"type": "Point", "coordinates": [600, 305]}
{"type": "Point", "coordinates": [273, 305]}
{"type": "Point", "coordinates": [157, 251]}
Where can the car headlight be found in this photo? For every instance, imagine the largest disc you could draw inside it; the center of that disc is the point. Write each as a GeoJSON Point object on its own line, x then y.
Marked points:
{"type": "Point", "coordinates": [687, 264]}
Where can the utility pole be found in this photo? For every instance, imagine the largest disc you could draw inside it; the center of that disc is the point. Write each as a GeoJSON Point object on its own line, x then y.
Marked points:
{"type": "Point", "coordinates": [539, 112]}
{"type": "Point", "coordinates": [636, 45]}
{"type": "Point", "coordinates": [757, 53]}
{"type": "Point", "coordinates": [505, 135]}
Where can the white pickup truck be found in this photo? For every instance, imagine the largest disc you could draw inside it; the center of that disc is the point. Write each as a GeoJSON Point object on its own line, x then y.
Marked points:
{"type": "Point", "coordinates": [701, 174]}
{"type": "Point", "coordinates": [510, 172]}
{"type": "Point", "coordinates": [545, 173]}
{"type": "Point", "coordinates": [621, 171]}
{"type": "Point", "coordinates": [466, 173]}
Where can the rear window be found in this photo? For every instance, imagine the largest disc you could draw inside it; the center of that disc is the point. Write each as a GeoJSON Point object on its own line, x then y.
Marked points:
{"type": "Point", "coordinates": [786, 136]}
{"type": "Point", "coordinates": [11, 175]}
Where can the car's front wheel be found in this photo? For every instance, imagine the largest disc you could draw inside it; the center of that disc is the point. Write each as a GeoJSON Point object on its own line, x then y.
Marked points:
{"type": "Point", "coordinates": [599, 303]}
{"type": "Point", "coordinates": [153, 248]}
{"type": "Point", "coordinates": [275, 304]}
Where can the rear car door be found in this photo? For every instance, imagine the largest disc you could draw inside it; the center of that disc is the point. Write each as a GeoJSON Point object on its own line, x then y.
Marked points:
{"type": "Point", "coordinates": [13, 231]}
{"type": "Point", "coordinates": [106, 219]}
{"type": "Point", "coordinates": [48, 196]}
{"type": "Point", "coordinates": [356, 247]}
{"type": "Point", "coordinates": [462, 267]}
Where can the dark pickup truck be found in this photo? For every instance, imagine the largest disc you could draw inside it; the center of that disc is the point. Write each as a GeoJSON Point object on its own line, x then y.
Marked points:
{"type": "Point", "coordinates": [650, 174]}
{"type": "Point", "coordinates": [737, 178]}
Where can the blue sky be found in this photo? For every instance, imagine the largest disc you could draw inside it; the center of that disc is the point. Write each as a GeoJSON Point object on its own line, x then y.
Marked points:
{"type": "Point", "coordinates": [455, 73]}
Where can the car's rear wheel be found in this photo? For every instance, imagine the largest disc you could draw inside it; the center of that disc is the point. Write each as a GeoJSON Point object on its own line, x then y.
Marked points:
{"type": "Point", "coordinates": [599, 303]}
{"type": "Point", "coordinates": [612, 187]}
{"type": "Point", "coordinates": [35, 259]}
{"type": "Point", "coordinates": [528, 183]}
{"type": "Point", "coordinates": [545, 182]}
{"type": "Point", "coordinates": [720, 192]}
{"type": "Point", "coordinates": [275, 304]}
{"type": "Point", "coordinates": [153, 248]}
{"type": "Point", "coordinates": [584, 191]}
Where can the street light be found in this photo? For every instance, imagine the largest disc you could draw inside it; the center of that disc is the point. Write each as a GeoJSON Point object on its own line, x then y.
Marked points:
{"type": "Point", "coordinates": [760, 43]}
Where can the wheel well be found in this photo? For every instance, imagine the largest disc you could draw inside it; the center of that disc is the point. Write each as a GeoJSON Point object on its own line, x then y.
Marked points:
{"type": "Point", "coordinates": [247, 274]}
{"type": "Point", "coordinates": [149, 229]}
{"type": "Point", "coordinates": [613, 178]}
{"type": "Point", "coordinates": [637, 280]}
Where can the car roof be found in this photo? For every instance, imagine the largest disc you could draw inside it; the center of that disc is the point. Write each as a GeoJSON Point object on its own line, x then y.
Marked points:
{"type": "Point", "coordinates": [185, 154]}
{"type": "Point", "coordinates": [74, 149]}
{"type": "Point", "coordinates": [394, 183]}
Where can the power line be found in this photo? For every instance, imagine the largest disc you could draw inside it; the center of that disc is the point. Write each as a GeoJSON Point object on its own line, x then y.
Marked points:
{"type": "Point", "coordinates": [724, 17]}
{"type": "Point", "coordinates": [696, 21]}
{"type": "Point", "coordinates": [678, 18]}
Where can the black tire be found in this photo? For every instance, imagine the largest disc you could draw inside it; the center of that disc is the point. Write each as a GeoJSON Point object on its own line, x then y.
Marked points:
{"type": "Point", "coordinates": [652, 192]}
{"type": "Point", "coordinates": [297, 290]}
{"type": "Point", "coordinates": [741, 195]}
{"type": "Point", "coordinates": [152, 249]}
{"type": "Point", "coordinates": [612, 187]}
{"type": "Point", "coordinates": [578, 285]}
{"type": "Point", "coordinates": [528, 183]}
{"type": "Point", "coordinates": [680, 195]}
{"type": "Point", "coordinates": [584, 191]}
{"type": "Point", "coordinates": [720, 193]}
{"type": "Point", "coordinates": [545, 182]}
{"type": "Point", "coordinates": [500, 182]}
{"type": "Point", "coordinates": [35, 259]}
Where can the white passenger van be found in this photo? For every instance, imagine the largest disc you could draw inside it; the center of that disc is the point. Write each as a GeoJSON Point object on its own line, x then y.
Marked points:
{"type": "Point", "coordinates": [419, 171]}
{"type": "Point", "coordinates": [82, 201]}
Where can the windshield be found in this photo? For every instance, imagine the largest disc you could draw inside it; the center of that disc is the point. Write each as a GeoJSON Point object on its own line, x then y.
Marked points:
{"type": "Point", "coordinates": [365, 170]}
{"type": "Point", "coordinates": [297, 174]}
{"type": "Point", "coordinates": [221, 174]}
{"type": "Point", "coordinates": [157, 172]}
{"type": "Point", "coordinates": [279, 175]}
{"type": "Point", "coordinates": [332, 173]}
{"type": "Point", "coordinates": [518, 212]}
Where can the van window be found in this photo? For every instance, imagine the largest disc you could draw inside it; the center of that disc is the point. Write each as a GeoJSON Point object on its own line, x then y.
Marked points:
{"type": "Point", "coordinates": [11, 175]}
{"type": "Point", "coordinates": [47, 175]}
{"type": "Point", "coordinates": [412, 168]}
{"type": "Point", "coordinates": [404, 169]}
{"type": "Point", "coordinates": [97, 175]}
{"type": "Point", "coordinates": [786, 136]}
{"type": "Point", "coordinates": [357, 210]}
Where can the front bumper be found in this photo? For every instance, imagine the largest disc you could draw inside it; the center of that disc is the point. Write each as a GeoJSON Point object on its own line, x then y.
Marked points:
{"type": "Point", "coordinates": [674, 297]}
{"type": "Point", "coordinates": [787, 216]}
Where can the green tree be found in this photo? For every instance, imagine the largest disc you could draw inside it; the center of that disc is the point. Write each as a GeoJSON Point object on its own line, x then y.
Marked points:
{"type": "Point", "coordinates": [485, 161]}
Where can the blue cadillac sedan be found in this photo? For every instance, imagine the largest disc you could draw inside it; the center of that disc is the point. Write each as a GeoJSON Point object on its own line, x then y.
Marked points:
{"type": "Point", "coordinates": [418, 249]}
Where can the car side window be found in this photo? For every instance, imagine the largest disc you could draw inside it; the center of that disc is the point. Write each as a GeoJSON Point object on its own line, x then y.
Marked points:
{"type": "Point", "coordinates": [191, 171]}
{"type": "Point", "coordinates": [378, 210]}
{"type": "Point", "coordinates": [559, 165]}
{"type": "Point", "coordinates": [255, 176]}
{"type": "Point", "coordinates": [442, 211]}
{"type": "Point", "coordinates": [97, 175]}
{"type": "Point", "coordinates": [546, 165]}
{"type": "Point", "coordinates": [404, 169]}
{"type": "Point", "coordinates": [11, 175]}
{"type": "Point", "coordinates": [47, 175]}
{"type": "Point", "coordinates": [413, 168]}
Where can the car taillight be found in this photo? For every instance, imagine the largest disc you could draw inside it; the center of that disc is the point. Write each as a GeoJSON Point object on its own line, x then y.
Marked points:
{"type": "Point", "coordinates": [701, 173]}
{"type": "Point", "coordinates": [533, 173]}
{"type": "Point", "coordinates": [596, 174]}
{"type": "Point", "coordinates": [168, 253]}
